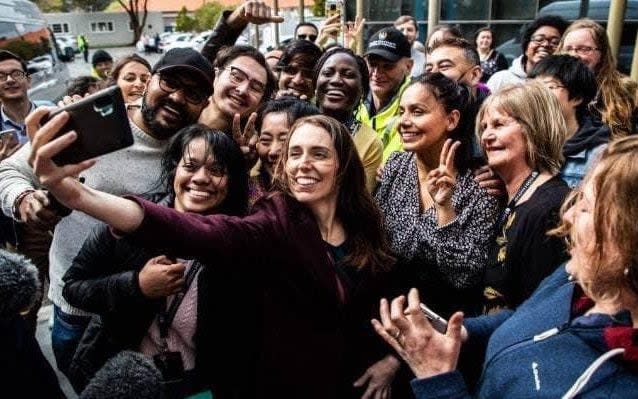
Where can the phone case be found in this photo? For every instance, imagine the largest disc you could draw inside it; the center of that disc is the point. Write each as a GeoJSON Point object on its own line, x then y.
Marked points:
{"type": "Point", "coordinates": [101, 124]}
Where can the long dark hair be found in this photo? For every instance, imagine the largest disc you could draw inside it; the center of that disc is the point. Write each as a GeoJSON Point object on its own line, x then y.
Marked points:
{"type": "Point", "coordinates": [357, 211]}
{"type": "Point", "coordinates": [225, 151]}
{"type": "Point", "coordinates": [452, 96]}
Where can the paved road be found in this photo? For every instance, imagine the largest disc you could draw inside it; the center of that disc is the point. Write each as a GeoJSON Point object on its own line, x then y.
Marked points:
{"type": "Point", "coordinates": [79, 67]}
{"type": "Point", "coordinates": [43, 334]}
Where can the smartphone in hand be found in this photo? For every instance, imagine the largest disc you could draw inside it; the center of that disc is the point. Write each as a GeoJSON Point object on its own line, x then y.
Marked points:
{"type": "Point", "coordinates": [438, 322]}
{"type": "Point", "coordinates": [101, 123]}
{"type": "Point", "coordinates": [9, 137]}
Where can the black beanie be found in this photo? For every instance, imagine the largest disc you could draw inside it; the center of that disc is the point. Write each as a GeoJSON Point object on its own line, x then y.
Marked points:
{"type": "Point", "coordinates": [100, 56]}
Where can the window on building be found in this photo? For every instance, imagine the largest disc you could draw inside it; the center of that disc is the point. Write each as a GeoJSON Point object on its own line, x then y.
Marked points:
{"type": "Point", "coordinates": [102, 27]}
{"type": "Point", "coordinates": [60, 28]}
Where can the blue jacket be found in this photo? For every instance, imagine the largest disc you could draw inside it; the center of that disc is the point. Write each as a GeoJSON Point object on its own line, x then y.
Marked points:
{"type": "Point", "coordinates": [539, 351]}
{"type": "Point", "coordinates": [583, 149]}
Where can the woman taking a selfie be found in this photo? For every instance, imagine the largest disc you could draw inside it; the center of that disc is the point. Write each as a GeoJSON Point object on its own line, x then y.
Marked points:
{"type": "Point", "coordinates": [575, 337]}
{"type": "Point", "coordinates": [311, 253]}
{"type": "Point", "coordinates": [203, 172]}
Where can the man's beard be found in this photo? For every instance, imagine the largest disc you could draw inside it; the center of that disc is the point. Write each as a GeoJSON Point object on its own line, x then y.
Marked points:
{"type": "Point", "coordinates": [158, 130]}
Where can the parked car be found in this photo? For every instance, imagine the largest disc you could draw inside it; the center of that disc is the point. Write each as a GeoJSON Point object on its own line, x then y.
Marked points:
{"type": "Point", "coordinates": [66, 47]}
{"type": "Point", "coordinates": [199, 40]}
{"type": "Point", "coordinates": [598, 10]}
{"type": "Point", "coordinates": [176, 40]}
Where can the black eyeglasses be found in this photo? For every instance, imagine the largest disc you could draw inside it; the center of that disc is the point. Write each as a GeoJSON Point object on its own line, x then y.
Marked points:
{"type": "Point", "coordinates": [192, 94]}
{"type": "Point", "coordinates": [312, 38]}
{"type": "Point", "coordinates": [238, 77]}
{"type": "Point", "coordinates": [16, 74]}
{"type": "Point", "coordinates": [307, 73]}
{"type": "Point", "coordinates": [553, 41]}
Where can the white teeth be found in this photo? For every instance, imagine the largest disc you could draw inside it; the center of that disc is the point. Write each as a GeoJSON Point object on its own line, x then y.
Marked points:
{"type": "Point", "coordinates": [305, 181]}
{"type": "Point", "coordinates": [198, 193]}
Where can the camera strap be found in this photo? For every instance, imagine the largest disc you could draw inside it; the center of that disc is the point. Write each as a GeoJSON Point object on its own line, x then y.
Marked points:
{"type": "Point", "coordinates": [165, 316]}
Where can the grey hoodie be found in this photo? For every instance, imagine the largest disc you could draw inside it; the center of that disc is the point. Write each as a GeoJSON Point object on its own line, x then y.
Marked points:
{"type": "Point", "coordinates": [513, 75]}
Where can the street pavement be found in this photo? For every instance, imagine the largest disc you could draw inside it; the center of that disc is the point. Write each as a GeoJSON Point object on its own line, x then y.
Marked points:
{"type": "Point", "coordinates": [43, 333]}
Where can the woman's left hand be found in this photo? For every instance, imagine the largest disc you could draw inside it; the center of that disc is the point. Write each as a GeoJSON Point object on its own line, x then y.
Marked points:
{"type": "Point", "coordinates": [441, 181]}
{"type": "Point", "coordinates": [379, 378]}
{"type": "Point", "coordinates": [408, 331]}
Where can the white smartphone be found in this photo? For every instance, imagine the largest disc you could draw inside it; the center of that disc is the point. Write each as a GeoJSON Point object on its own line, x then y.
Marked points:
{"type": "Point", "coordinates": [438, 322]}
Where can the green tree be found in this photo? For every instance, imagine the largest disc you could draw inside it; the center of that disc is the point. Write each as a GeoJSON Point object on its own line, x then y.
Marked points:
{"type": "Point", "coordinates": [52, 5]}
{"type": "Point", "coordinates": [207, 15]}
{"type": "Point", "coordinates": [319, 8]}
{"type": "Point", "coordinates": [184, 22]}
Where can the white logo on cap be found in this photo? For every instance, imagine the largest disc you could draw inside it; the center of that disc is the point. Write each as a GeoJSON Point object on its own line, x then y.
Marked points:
{"type": "Point", "coordinates": [383, 35]}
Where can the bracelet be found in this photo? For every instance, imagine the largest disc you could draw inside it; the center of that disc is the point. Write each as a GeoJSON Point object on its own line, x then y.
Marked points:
{"type": "Point", "coordinates": [16, 204]}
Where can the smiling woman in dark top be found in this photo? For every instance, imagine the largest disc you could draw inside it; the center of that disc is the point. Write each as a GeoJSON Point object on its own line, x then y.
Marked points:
{"type": "Point", "coordinates": [313, 253]}
{"type": "Point", "coordinates": [522, 132]}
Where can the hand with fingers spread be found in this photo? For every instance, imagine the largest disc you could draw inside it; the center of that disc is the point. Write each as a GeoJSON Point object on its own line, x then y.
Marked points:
{"type": "Point", "coordinates": [490, 181]}
{"type": "Point", "coordinates": [408, 331]}
{"type": "Point", "coordinates": [161, 277]}
{"type": "Point", "coordinates": [353, 33]}
{"type": "Point", "coordinates": [441, 181]}
{"type": "Point", "coordinates": [378, 378]}
{"type": "Point", "coordinates": [246, 139]}
{"type": "Point", "coordinates": [255, 12]}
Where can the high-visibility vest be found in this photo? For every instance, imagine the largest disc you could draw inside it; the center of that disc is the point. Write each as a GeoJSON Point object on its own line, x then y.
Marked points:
{"type": "Point", "coordinates": [385, 122]}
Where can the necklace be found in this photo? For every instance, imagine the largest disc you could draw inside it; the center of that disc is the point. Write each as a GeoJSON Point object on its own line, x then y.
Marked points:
{"type": "Point", "coordinates": [519, 193]}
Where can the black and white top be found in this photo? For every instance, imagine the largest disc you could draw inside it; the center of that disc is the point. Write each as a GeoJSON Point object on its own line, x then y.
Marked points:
{"type": "Point", "coordinates": [447, 261]}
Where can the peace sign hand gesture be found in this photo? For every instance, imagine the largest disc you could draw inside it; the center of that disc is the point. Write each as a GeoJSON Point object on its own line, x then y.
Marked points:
{"type": "Point", "coordinates": [441, 181]}
{"type": "Point", "coordinates": [246, 140]}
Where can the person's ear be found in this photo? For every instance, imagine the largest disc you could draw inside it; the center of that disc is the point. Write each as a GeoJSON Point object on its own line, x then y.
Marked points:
{"type": "Point", "coordinates": [475, 75]}
{"type": "Point", "coordinates": [453, 119]}
{"type": "Point", "coordinates": [408, 66]}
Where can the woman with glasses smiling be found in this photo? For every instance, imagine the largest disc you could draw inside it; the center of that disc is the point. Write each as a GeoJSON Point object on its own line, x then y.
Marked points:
{"type": "Point", "coordinates": [243, 81]}
{"type": "Point", "coordinates": [539, 40]}
{"type": "Point", "coordinates": [615, 101]}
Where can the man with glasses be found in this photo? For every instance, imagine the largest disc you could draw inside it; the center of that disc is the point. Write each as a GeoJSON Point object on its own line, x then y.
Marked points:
{"type": "Point", "coordinates": [295, 68]}
{"type": "Point", "coordinates": [306, 31]}
{"type": "Point", "coordinates": [389, 63]}
{"type": "Point", "coordinates": [539, 39]}
{"type": "Point", "coordinates": [175, 96]}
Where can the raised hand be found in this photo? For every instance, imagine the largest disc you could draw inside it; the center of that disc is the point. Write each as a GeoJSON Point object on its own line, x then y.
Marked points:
{"type": "Point", "coordinates": [427, 351]}
{"type": "Point", "coordinates": [353, 33]}
{"type": "Point", "coordinates": [441, 181]}
{"type": "Point", "coordinates": [329, 30]}
{"type": "Point", "coordinates": [256, 12]}
{"type": "Point", "coordinates": [161, 277]}
{"type": "Point", "coordinates": [61, 181]}
{"type": "Point", "coordinates": [247, 140]}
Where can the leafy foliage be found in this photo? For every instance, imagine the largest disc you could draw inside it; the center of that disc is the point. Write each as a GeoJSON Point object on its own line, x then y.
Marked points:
{"type": "Point", "coordinates": [202, 19]}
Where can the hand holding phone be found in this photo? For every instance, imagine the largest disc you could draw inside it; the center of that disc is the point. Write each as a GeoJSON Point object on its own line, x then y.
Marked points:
{"type": "Point", "coordinates": [101, 124]}
{"type": "Point", "coordinates": [438, 322]}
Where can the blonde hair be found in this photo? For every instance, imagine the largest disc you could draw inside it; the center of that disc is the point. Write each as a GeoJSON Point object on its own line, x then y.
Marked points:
{"type": "Point", "coordinates": [613, 262]}
{"type": "Point", "coordinates": [538, 112]}
{"type": "Point", "coordinates": [616, 97]}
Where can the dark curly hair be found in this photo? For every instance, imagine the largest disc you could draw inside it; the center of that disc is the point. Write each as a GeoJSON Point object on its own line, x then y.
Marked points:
{"type": "Point", "coordinates": [452, 96]}
{"type": "Point", "coordinates": [225, 151]}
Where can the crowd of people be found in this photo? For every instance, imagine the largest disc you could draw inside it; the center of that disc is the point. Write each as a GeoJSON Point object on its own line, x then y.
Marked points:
{"type": "Point", "coordinates": [259, 237]}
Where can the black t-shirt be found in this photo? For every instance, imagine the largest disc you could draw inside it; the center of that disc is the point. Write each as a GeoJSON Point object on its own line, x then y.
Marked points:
{"type": "Point", "coordinates": [524, 254]}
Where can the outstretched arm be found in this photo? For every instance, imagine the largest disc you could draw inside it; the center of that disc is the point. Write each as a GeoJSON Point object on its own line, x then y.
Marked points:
{"type": "Point", "coordinates": [120, 213]}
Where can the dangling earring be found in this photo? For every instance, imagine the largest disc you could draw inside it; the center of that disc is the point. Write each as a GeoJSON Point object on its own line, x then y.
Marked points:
{"type": "Point", "coordinates": [625, 272]}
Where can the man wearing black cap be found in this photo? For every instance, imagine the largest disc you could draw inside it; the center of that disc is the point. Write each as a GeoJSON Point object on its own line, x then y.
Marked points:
{"type": "Point", "coordinates": [175, 96]}
{"type": "Point", "coordinates": [389, 62]}
{"type": "Point", "coordinates": [102, 64]}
